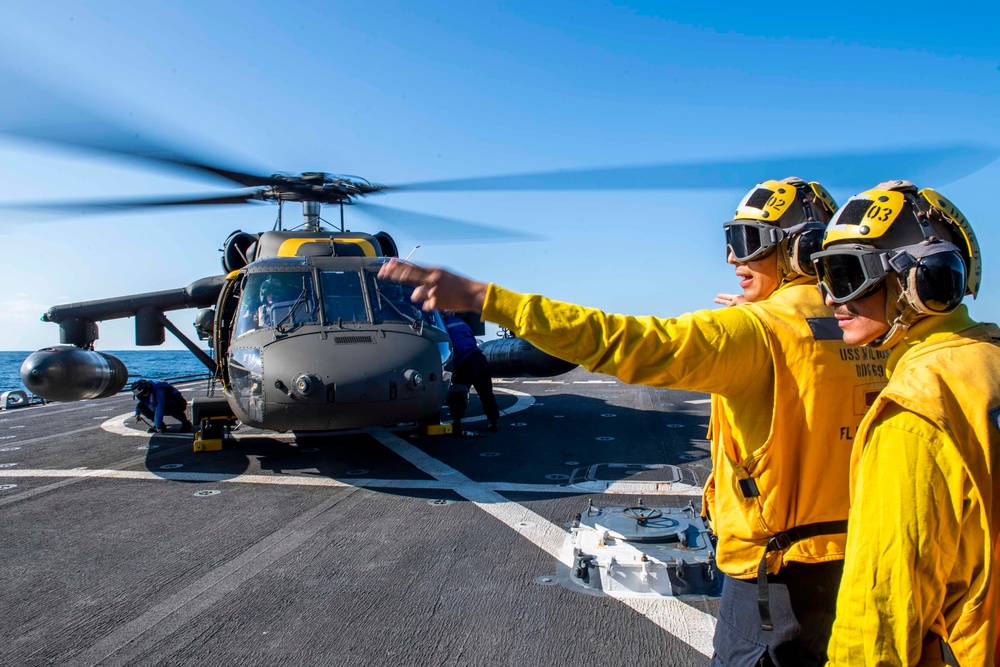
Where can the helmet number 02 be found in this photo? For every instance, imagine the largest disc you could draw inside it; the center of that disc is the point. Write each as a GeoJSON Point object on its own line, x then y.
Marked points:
{"type": "Point", "coordinates": [876, 212]}
{"type": "Point", "coordinates": [775, 203]}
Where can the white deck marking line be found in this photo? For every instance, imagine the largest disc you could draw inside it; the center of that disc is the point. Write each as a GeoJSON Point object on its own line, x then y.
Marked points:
{"type": "Point", "coordinates": [683, 621]}
{"type": "Point", "coordinates": [699, 401]}
{"type": "Point", "coordinates": [594, 382]}
{"type": "Point", "coordinates": [542, 382]}
{"type": "Point", "coordinates": [323, 481]}
{"type": "Point", "coordinates": [79, 475]}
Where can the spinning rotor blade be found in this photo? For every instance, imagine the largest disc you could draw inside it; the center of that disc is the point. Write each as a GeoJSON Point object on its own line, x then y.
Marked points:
{"type": "Point", "coordinates": [439, 229]}
{"type": "Point", "coordinates": [123, 206]}
{"type": "Point", "coordinates": [923, 165]}
{"type": "Point", "coordinates": [36, 114]}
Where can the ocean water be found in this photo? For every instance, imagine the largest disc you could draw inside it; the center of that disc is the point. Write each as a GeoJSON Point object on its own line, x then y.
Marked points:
{"type": "Point", "coordinates": [150, 364]}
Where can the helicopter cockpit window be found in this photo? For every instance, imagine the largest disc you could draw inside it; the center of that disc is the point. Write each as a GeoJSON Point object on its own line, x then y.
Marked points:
{"type": "Point", "coordinates": [392, 303]}
{"type": "Point", "coordinates": [280, 300]}
{"type": "Point", "coordinates": [343, 298]}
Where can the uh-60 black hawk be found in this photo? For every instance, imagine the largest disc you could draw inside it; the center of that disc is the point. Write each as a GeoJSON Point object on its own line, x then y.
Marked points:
{"type": "Point", "coordinates": [303, 334]}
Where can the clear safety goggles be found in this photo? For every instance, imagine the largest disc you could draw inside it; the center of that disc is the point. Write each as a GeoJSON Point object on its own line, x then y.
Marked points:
{"type": "Point", "coordinates": [748, 240]}
{"type": "Point", "coordinates": [850, 272]}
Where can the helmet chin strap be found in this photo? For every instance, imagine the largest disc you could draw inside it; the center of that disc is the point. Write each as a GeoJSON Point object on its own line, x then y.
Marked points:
{"type": "Point", "coordinates": [899, 312]}
{"type": "Point", "coordinates": [786, 273]}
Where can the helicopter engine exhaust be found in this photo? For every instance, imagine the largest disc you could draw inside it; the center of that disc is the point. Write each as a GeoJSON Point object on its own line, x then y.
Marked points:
{"type": "Point", "coordinates": [68, 373]}
{"type": "Point", "coordinates": [516, 357]}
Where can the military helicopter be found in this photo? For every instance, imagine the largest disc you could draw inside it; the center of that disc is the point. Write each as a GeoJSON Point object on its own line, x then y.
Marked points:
{"type": "Point", "coordinates": [304, 335]}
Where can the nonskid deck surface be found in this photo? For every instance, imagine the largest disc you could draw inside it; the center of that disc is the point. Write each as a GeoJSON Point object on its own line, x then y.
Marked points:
{"type": "Point", "coordinates": [374, 548]}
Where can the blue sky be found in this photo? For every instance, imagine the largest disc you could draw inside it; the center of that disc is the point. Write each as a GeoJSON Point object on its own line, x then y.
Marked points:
{"type": "Point", "coordinates": [401, 92]}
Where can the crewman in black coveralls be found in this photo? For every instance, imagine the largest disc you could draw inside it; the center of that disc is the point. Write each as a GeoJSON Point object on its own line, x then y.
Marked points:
{"type": "Point", "coordinates": [154, 399]}
{"type": "Point", "coordinates": [472, 370]}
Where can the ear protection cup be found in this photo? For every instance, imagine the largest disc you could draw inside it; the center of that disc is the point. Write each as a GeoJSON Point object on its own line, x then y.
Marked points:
{"type": "Point", "coordinates": [802, 247]}
{"type": "Point", "coordinates": [936, 284]}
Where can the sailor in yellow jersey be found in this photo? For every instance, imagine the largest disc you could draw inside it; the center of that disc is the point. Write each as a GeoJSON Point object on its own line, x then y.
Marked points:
{"type": "Point", "coordinates": [788, 397]}
{"type": "Point", "coordinates": [920, 578]}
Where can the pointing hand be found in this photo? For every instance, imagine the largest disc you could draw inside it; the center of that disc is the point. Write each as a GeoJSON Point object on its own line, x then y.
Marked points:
{"type": "Point", "coordinates": [730, 299]}
{"type": "Point", "coordinates": [436, 288]}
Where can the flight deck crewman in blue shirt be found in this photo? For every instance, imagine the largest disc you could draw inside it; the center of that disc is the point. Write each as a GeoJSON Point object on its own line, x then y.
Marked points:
{"type": "Point", "coordinates": [154, 399]}
{"type": "Point", "coordinates": [471, 369]}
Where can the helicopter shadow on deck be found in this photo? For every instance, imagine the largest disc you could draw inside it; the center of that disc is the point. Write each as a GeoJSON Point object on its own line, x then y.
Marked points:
{"type": "Point", "coordinates": [542, 446]}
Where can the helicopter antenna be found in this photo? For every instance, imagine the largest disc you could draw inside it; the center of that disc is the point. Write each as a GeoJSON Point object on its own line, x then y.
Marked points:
{"type": "Point", "coordinates": [341, 216]}
{"type": "Point", "coordinates": [411, 252]}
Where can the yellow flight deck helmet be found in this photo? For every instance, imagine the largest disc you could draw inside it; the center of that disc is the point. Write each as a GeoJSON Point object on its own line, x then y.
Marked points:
{"type": "Point", "coordinates": [917, 238]}
{"type": "Point", "coordinates": [790, 210]}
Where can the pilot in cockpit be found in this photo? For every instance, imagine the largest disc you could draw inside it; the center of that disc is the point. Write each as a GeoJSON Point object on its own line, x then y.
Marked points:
{"type": "Point", "coordinates": [265, 312]}
{"type": "Point", "coordinates": [286, 301]}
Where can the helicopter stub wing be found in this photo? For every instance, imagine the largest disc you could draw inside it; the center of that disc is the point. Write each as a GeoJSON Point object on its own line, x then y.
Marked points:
{"type": "Point", "coordinates": [77, 320]}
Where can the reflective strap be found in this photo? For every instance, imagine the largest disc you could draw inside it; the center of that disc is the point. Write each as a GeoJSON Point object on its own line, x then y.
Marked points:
{"type": "Point", "coordinates": [780, 542]}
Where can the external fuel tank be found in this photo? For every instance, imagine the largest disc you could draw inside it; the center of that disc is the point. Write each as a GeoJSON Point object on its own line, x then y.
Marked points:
{"type": "Point", "coordinates": [68, 373]}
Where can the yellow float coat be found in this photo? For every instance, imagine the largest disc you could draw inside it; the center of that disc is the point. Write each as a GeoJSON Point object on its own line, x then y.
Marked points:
{"type": "Point", "coordinates": [922, 538]}
{"type": "Point", "coordinates": [788, 396]}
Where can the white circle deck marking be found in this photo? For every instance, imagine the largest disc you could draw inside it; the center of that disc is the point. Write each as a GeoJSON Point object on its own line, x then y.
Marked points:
{"type": "Point", "coordinates": [116, 425]}
{"type": "Point", "coordinates": [206, 493]}
{"type": "Point", "coordinates": [7, 465]}
{"type": "Point", "coordinates": [9, 449]}
{"type": "Point", "coordinates": [604, 438]}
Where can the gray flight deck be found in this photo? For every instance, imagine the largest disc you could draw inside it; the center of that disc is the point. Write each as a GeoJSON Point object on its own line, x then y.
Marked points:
{"type": "Point", "coordinates": [375, 548]}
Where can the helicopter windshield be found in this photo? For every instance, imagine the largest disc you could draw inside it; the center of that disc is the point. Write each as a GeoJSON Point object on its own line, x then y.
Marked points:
{"type": "Point", "coordinates": [392, 302]}
{"type": "Point", "coordinates": [279, 299]}
{"type": "Point", "coordinates": [343, 298]}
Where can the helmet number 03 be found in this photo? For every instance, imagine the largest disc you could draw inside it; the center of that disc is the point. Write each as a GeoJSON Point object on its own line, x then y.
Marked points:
{"type": "Point", "coordinates": [879, 213]}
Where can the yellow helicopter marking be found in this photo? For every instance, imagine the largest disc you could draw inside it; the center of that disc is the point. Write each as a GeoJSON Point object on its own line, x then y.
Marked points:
{"type": "Point", "coordinates": [290, 248]}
